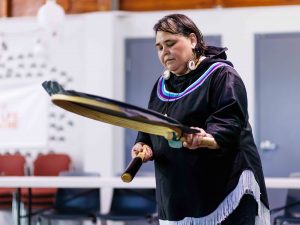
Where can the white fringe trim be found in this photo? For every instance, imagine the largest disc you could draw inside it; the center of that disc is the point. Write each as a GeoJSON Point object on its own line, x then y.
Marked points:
{"type": "Point", "coordinates": [247, 185]}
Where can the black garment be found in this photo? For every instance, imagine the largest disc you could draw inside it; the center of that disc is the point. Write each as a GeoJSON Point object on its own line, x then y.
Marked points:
{"type": "Point", "coordinates": [244, 214]}
{"type": "Point", "coordinates": [193, 183]}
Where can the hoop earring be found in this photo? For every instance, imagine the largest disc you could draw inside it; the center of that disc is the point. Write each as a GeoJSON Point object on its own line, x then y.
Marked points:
{"type": "Point", "coordinates": [166, 74]}
{"type": "Point", "coordinates": [191, 65]}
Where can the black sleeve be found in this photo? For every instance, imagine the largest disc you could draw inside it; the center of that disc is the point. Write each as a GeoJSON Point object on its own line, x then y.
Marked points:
{"type": "Point", "coordinates": [143, 137]}
{"type": "Point", "coordinates": [228, 100]}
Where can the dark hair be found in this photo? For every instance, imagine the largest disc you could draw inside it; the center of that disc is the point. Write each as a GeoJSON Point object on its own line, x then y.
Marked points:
{"type": "Point", "coordinates": [182, 25]}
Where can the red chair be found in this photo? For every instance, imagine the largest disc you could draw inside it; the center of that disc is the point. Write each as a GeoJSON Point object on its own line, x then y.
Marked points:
{"type": "Point", "coordinates": [10, 165]}
{"type": "Point", "coordinates": [44, 165]}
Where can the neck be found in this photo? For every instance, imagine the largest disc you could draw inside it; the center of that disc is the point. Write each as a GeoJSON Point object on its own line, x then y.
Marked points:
{"type": "Point", "coordinates": [199, 60]}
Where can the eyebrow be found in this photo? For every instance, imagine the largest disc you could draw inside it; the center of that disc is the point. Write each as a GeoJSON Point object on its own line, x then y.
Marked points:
{"type": "Point", "coordinates": [157, 44]}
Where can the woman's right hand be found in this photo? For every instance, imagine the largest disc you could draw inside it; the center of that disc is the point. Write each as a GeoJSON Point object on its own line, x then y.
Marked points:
{"type": "Point", "coordinates": [141, 147]}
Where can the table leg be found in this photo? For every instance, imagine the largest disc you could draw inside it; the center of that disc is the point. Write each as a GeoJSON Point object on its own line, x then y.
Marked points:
{"type": "Point", "coordinates": [18, 199]}
{"type": "Point", "coordinates": [29, 205]}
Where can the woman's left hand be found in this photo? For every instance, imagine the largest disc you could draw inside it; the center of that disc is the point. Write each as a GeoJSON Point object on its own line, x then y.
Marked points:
{"type": "Point", "coordinates": [193, 141]}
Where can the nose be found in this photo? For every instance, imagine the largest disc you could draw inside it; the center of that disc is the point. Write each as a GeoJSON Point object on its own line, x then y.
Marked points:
{"type": "Point", "coordinates": [165, 51]}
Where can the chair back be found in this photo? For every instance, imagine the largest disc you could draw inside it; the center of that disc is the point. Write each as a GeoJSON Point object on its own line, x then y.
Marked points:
{"type": "Point", "coordinates": [12, 164]}
{"type": "Point", "coordinates": [51, 164]}
{"type": "Point", "coordinates": [133, 201]}
{"type": "Point", "coordinates": [77, 200]}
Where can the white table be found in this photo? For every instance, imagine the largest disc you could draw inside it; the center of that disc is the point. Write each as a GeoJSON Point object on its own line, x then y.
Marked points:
{"type": "Point", "coordinates": [282, 182]}
{"type": "Point", "coordinates": [115, 182]}
{"type": "Point", "coordinates": [110, 182]}
{"type": "Point", "coordinates": [74, 182]}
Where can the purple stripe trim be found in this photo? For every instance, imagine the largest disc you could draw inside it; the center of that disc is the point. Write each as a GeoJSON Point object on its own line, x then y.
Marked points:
{"type": "Point", "coordinates": [165, 95]}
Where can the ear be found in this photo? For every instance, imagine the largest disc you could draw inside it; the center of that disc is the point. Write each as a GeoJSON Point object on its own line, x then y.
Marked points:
{"type": "Point", "coordinates": [193, 40]}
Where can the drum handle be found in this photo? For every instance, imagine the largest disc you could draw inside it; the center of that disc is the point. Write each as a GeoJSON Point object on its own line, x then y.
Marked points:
{"type": "Point", "coordinates": [133, 167]}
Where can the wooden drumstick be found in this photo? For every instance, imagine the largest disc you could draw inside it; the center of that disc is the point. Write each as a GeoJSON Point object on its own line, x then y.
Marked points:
{"type": "Point", "coordinates": [133, 166]}
{"type": "Point", "coordinates": [205, 141]}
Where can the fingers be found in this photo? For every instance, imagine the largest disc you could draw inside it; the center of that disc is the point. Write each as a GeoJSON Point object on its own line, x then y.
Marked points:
{"type": "Point", "coordinates": [194, 141]}
{"type": "Point", "coordinates": [138, 147]}
{"type": "Point", "coordinates": [146, 151]}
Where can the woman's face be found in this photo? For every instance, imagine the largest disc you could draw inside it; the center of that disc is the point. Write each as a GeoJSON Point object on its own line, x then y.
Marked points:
{"type": "Point", "coordinates": [174, 51]}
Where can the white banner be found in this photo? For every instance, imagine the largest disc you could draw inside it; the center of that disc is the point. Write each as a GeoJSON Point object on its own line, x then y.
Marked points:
{"type": "Point", "coordinates": [23, 114]}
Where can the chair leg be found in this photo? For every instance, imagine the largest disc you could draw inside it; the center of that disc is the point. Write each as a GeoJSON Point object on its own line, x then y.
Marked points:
{"type": "Point", "coordinates": [29, 206]}
{"type": "Point", "coordinates": [16, 207]}
{"type": "Point", "coordinates": [103, 222]}
{"type": "Point", "coordinates": [39, 221]}
{"type": "Point", "coordinates": [94, 221]}
{"type": "Point", "coordinates": [277, 222]}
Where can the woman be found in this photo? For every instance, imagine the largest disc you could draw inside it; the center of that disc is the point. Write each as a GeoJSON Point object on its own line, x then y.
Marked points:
{"type": "Point", "coordinates": [197, 185]}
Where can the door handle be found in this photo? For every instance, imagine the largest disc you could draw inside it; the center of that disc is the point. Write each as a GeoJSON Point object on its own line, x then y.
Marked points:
{"type": "Point", "coordinates": [268, 145]}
